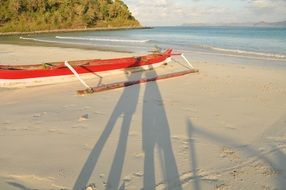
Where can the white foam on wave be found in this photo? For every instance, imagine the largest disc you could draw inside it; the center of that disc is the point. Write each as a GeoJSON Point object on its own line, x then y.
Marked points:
{"type": "Point", "coordinates": [101, 39]}
{"type": "Point", "coordinates": [249, 53]}
{"type": "Point", "coordinates": [78, 43]}
{"type": "Point", "coordinates": [37, 40]}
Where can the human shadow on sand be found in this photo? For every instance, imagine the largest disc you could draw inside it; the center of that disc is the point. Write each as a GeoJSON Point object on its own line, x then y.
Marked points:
{"type": "Point", "coordinates": [278, 132]}
{"type": "Point", "coordinates": [125, 109]}
{"type": "Point", "coordinates": [156, 133]}
{"type": "Point", "coordinates": [251, 153]}
{"type": "Point", "coordinates": [19, 186]}
{"type": "Point", "coordinates": [196, 181]}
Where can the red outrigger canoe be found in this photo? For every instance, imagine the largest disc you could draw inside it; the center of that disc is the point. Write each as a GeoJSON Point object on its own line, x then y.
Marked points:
{"type": "Point", "coordinates": [14, 76]}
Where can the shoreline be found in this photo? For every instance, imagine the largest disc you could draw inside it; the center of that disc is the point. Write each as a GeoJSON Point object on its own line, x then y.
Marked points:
{"type": "Point", "coordinates": [68, 46]}
{"type": "Point", "coordinates": [207, 52]}
{"type": "Point", "coordinates": [19, 42]}
{"type": "Point", "coordinates": [74, 30]}
{"type": "Point", "coordinates": [196, 54]}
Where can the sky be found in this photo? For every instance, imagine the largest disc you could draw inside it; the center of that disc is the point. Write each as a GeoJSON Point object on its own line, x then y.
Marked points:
{"type": "Point", "coordinates": [177, 12]}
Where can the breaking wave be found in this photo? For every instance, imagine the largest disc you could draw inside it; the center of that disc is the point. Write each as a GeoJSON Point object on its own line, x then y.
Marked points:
{"type": "Point", "coordinates": [101, 39]}
{"type": "Point", "coordinates": [78, 43]}
{"type": "Point", "coordinates": [37, 40]}
{"type": "Point", "coordinates": [248, 53]}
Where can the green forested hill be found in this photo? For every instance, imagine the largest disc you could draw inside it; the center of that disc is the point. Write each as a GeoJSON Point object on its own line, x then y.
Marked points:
{"type": "Point", "coordinates": [35, 15]}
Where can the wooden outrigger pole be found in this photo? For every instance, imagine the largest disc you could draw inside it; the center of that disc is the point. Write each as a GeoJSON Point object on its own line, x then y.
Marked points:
{"type": "Point", "coordinates": [134, 82]}
{"type": "Point", "coordinates": [122, 84]}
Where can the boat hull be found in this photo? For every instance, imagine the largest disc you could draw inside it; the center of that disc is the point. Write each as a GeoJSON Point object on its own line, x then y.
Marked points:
{"type": "Point", "coordinates": [29, 80]}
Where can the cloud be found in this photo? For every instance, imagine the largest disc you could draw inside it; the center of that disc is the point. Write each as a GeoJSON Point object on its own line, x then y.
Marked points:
{"type": "Point", "coordinates": [260, 4]}
{"type": "Point", "coordinates": [274, 5]}
{"type": "Point", "coordinates": [268, 10]}
{"type": "Point", "coordinates": [170, 12]}
{"type": "Point", "coordinates": [150, 12]}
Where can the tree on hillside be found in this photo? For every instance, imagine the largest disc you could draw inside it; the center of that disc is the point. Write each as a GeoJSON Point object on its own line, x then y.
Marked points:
{"type": "Point", "coordinates": [31, 15]}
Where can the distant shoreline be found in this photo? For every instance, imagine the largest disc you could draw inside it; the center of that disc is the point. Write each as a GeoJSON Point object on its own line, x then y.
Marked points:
{"type": "Point", "coordinates": [233, 26]}
{"type": "Point", "coordinates": [281, 24]}
{"type": "Point", "coordinates": [73, 30]}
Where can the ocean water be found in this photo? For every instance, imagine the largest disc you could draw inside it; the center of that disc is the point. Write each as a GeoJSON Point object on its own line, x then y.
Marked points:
{"type": "Point", "coordinates": [243, 41]}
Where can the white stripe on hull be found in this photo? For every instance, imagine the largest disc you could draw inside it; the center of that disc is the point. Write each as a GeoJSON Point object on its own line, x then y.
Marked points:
{"type": "Point", "coordinates": [20, 83]}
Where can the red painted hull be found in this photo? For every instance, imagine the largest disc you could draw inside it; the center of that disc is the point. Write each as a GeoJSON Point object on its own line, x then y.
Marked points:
{"type": "Point", "coordinates": [18, 72]}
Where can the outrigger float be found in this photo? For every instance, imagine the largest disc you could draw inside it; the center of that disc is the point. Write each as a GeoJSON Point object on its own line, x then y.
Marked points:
{"type": "Point", "coordinates": [18, 76]}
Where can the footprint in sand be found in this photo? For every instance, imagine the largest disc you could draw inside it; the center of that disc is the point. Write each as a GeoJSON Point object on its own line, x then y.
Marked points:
{"type": "Point", "coordinates": [37, 115]}
{"type": "Point", "coordinates": [176, 137]}
{"type": "Point", "coordinates": [265, 170]}
{"type": "Point", "coordinates": [85, 108]}
{"type": "Point", "coordinates": [102, 177]}
{"type": "Point", "coordinates": [139, 174]}
{"type": "Point", "coordinates": [83, 118]}
{"type": "Point", "coordinates": [190, 109]}
{"type": "Point", "coordinates": [278, 138]}
{"type": "Point", "coordinates": [221, 187]}
{"type": "Point", "coordinates": [127, 179]}
{"type": "Point", "coordinates": [99, 113]}
{"type": "Point", "coordinates": [133, 134]}
{"type": "Point", "coordinates": [226, 151]}
{"type": "Point", "coordinates": [139, 155]}
{"type": "Point", "coordinates": [6, 123]}
{"type": "Point", "coordinates": [86, 147]}
{"type": "Point", "coordinates": [56, 131]}
{"type": "Point", "coordinates": [61, 173]}
{"type": "Point", "coordinates": [227, 125]}
{"type": "Point", "coordinates": [229, 153]}
{"type": "Point", "coordinates": [69, 106]}
{"type": "Point", "coordinates": [205, 175]}
{"type": "Point", "coordinates": [91, 187]}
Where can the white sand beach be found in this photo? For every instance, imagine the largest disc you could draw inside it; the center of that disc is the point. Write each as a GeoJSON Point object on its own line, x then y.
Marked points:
{"type": "Point", "coordinates": [223, 128]}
